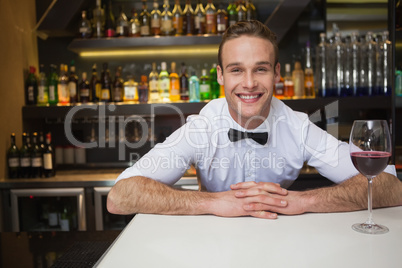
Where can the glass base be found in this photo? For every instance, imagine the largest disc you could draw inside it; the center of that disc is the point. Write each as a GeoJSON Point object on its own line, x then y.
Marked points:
{"type": "Point", "coordinates": [367, 228]}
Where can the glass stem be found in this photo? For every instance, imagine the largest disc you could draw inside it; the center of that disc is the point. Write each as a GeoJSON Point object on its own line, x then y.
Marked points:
{"type": "Point", "coordinates": [370, 201]}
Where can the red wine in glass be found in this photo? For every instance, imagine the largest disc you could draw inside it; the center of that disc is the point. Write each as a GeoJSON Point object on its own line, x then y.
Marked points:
{"type": "Point", "coordinates": [370, 163]}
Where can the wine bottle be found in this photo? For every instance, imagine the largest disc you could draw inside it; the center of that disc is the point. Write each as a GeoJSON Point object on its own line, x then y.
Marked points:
{"type": "Point", "coordinates": [130, 89]}
{"type": "Point", "coordinates": [122, 24]}
{"type": "Point", "coordinates": [288, 85]}
{"type": "Point", "coordinates": [49, 169]}
{"type": "Point", "coordinates": [134, 27]}
{"type": "Point", "coordinates": [210, 12]}
{"type": "Point", "coordinates": [25, 157]}
{"type": "Point", "coordinates": [205, 86]}
{"type": "Point", "coordinates": [53, 81]}
{"type": "Point", "coordinates": [106, 81]}
{"type": "Point", "coordinates": [155, 19]}
{"type": "Point", "coordinates": [118, 85]}
{"type": "Point", "coordinates": [154, 84]}
{"type": "Point", "coordinates": [62, 87]}
{"type": "Point", "coordinates": [309, 74]}
{"type": "Point", "coordinates": [166, 20]}
{"type": "Point", "coordinates": [43, 88]}
{"type": "Point", "coordinates": [31, 87]}
{"type": "Point", "coordinates": [194, 87]}
{"type": "Point", "coordinates": [298, 81]}
{"type": "Point", "coordinates": [232, 13]}
{"type": "Point", "coordinates": [98, 21]}
{"type": "Point", "coordinates": [221, 20]}
{"type": "Point", "coordinates": [145, 20]}
{"type": "Point", "coordinates": [199, 19]}
{"type": "Point", "coordinates": [73, 84]}
{"type": "Point", "coordinates": [143, 90]}
{"type": "Point", "coordinates": [174, 84]}
{"type": "Point", "coordinates": [85, 91]}
{"type": "Point", "coordinates": [184, 94]}
{"type": "Point", "coordinates": [177, 14]}
{"type": "Point", "coordinates": [164, 83]}
{"type": "Point", "coordinates": [85, 29]}
{"type": "Point", "coordinates": [36, 157]}
{"type": "Point", "coordinates": [110, 30]}
{"type": "Point", "coordinates": [13, 159]}
{"type": "Point", "coordinates": [95, 85]}
{"type": "Point", "coordinates": [188, 19]}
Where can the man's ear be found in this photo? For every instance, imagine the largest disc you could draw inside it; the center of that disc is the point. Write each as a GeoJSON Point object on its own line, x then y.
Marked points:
{"type": "Point", "coordinates": [220, 75]}
{"type": "Point", "coordinates": [277, 72]}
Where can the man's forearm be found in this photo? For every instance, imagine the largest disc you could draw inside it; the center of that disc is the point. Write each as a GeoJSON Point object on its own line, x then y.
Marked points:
{"type": "Point", "coordinates": [144, 195]}
{"type": "Point", "coordinates": [351, 195]}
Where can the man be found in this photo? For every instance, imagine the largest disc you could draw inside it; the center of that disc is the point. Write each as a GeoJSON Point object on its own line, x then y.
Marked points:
{"type": "Point", "coordinates": [246, 174]}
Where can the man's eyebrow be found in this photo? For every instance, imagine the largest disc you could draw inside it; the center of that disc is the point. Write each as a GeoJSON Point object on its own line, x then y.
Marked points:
{"type": "Point", "coordinates": [257, 63]}
{"type": "Point", "coordinates": [264, 63]}
{"type": "Point", "coordinates": [232, 64]}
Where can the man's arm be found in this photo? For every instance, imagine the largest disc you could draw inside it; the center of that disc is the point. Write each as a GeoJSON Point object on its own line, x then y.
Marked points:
{"type": "Point", "coordinates": [350, 195]}
{"type": "Point", "coordinates": [144, 195]}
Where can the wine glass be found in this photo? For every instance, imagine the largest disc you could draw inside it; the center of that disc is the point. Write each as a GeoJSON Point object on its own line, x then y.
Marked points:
{"type": "Point", "coordinates": [370, 150]}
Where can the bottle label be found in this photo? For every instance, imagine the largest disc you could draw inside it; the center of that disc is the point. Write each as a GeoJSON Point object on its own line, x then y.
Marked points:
{"type": "Point", "coordinates": [221, 27]}
{"type": "Point", "coordinates": [153, 85]}
{"type": "Point", "coordinates": [25, 162]}
{"type": "Point", "coordinates": [52, 95]}
{"type": "Point", "coordinates": [14, 162]}
{"type": "Point", "coordinates": [36, 162]}
{"type": "Point", "coordinates": [64, 96]}
{"type": "Point", "coordinates": [211, 19]}
{"type": "Point", "coordinates": [105, 94]}
{"type": "Point", "coordinates": [53, 218]}
{"type": "Point", "coordinates": [145, 30]}
{"type": "Point", "coordinates": [30, 93]}
{"type": "Point", "coordinates": [155, 23]}
{"type": "Point", "coordinates": [204, 88]}
{"type": "Point", "coordinates": [84, 92]}
{"type": "Point", "coordinates": [164, 84]}
{"type": "Point", "coordinates": [98, 88]}
{"type": "Point", "coordinates": [47, 161]}
{"type": "Point", "coordinates": [64, 225]}
{"type": "Point", "coordinates": [167, 25]}
{"type": "Point", "coordinates": [129, 93]}
{"type": "Point", "coordinates": [41, 93]}
{"type": "Point", "coordinates": [72, 88]}
{"type": "Point", "coordinates": [84, 30]}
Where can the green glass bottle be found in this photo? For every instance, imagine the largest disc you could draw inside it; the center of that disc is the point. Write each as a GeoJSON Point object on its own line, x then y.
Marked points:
{"type": "Point", "coordinates": [213, 78]}
{"type": "Point", "coordinates": [205, 86]}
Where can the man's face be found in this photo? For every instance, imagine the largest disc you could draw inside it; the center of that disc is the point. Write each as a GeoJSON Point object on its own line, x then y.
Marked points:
{"type": "Point", "coordinates": [248, 75]}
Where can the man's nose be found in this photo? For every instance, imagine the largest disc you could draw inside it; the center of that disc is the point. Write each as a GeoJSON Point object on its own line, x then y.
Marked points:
{"type": "Point", "coordinates": [249, 81]}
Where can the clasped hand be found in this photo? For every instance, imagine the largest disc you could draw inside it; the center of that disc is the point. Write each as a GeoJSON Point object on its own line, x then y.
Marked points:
{"type": "Point", "coordinates": [261, 199]}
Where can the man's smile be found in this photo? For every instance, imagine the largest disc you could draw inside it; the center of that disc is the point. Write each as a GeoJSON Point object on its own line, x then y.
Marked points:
{"type": "Point", "coordinates": [249, 97]}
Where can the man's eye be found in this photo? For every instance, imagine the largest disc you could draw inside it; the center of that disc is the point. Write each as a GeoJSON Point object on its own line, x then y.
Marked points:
{"type": "Point", "coordinates": [235, 70]}
{"type": "Point", "coordinates": [262, 70]}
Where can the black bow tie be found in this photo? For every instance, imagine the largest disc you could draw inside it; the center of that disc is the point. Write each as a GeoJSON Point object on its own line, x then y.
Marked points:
{"type": "Point", "coordinates": [259, 137]}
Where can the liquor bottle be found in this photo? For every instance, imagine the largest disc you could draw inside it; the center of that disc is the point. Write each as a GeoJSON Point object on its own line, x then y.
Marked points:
{"type": "Point", "coordinates": [106, 81]}
{"type": "Point", "coordinates": [221, 19]}
{"type": "Point", "coordinates": [184, 94]}
{"type": "Point", "coordinates": [166, 20]}
{"type": "Point", "coordinates": [43, 87]}
{"type": "Point", "coordinates": [130, 89]}
{"type": "Point", "coordinates": [65, 218]}
{"type": "Point", "coordinates": [354, 49]}
{"type": "Point", "coordinates": [98, 21]}
{"type": "Point", "coordinates": [348, 68]}
{"type": "Point", "coordinates": [145, 20]}
{"type": "Point", "coordinates": [85, 28]}
{"type": "Point", "coordinates": [164, 83]}
{"type": "Point", "coordinates": [321, 67]}
{"type": "Point", "coordinates": [25, 157]}
{"type": "Point", "coordinates": [85, 89]}
{"type": "Point", "coordinates": [298, 81]}
{"type": "Point", "coordinates": [194, 87]}
{"type": "Point", "coordinates": [213, 78]}
{"type": "Point", "coordinates": [232, 13]}
{"type": "Point", "coordinates": [110, 28]}
{"type": "Point", "coordinates": [31, 87]}
{"type": "Point", "coordinates": [118, 85]}
{"type": "Point", "coordinates": [241, 12]}
{"type": "Point", "coordinates": [154, 85]}
{"type": "Point", "coordinates": [143, 90]}
{"type": "Point", "coordinates": [251, 13]}
{"type": "Point", "coordinates": [386, 56]}
{"type": "Point", "coordinates": [188, 19]}
{"type": "Point", "coordinates": [49, 168]}
{"type": "Point", "coordinates": [337, 51]}
{"type": "Point", "coordinates": [155, 19]}
{"type": "Point", "coordinates": [309, 89]}
{"type": "Point", "coordinates": [73, 84]}
{"type": "Point", "coordinates": [62, 86]}
{"type": "Point", "coordinates": [210, 12]}
{"type": "Point", "coordinates": [279, 88]}
{"type": "Point", "coordinates": [134, 27]}
{"type": "Point", "coordinates": [36, 157]}
{"type": "Point", "coordinates": [122, 24]}
{"type": "Point", "coordinates": [205, 86]}
{"type": "Point", "coordinates": [95, 85]}
{"type": "Point", "coordinates": [288, 86]}
{"type": "Point", "coordinates": [53, 81]}
{"type": "Point", "coordinates": [174, 84]}
{"type": "Point", "coordinates": [177, 14]}
{"type": "Point", "coordinates": [13, 159]}
{"type": "Point", "coordinates": [199, 19]}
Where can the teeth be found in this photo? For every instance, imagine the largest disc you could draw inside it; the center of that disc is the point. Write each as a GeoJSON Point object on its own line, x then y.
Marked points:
{"type": "Point", "coordinates": [248, 97]}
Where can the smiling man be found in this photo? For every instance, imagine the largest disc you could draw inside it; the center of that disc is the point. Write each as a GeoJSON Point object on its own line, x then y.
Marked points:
{"type": "Point", "coordinates": [247, 149]}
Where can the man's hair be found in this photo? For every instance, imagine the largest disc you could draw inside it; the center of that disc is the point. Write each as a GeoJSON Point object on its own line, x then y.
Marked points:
{"type": "Point", "coordinates": [251, 28]}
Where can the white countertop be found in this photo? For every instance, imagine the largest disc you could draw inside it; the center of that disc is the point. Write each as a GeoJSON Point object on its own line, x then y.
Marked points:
{"type": "Point", "coordinates": [308, 240]}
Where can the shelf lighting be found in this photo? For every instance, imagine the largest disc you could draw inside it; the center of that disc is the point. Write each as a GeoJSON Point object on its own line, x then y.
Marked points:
{"type": "Point", "coordinates": [201, 50]}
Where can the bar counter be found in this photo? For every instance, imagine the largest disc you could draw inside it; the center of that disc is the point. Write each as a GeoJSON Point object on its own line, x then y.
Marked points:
{"type": "Point", "coordinates": [308, 240]}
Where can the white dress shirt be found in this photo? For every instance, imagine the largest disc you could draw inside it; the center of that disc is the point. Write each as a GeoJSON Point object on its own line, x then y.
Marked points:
{"type": "Point", "coordinates": [203, 141]}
